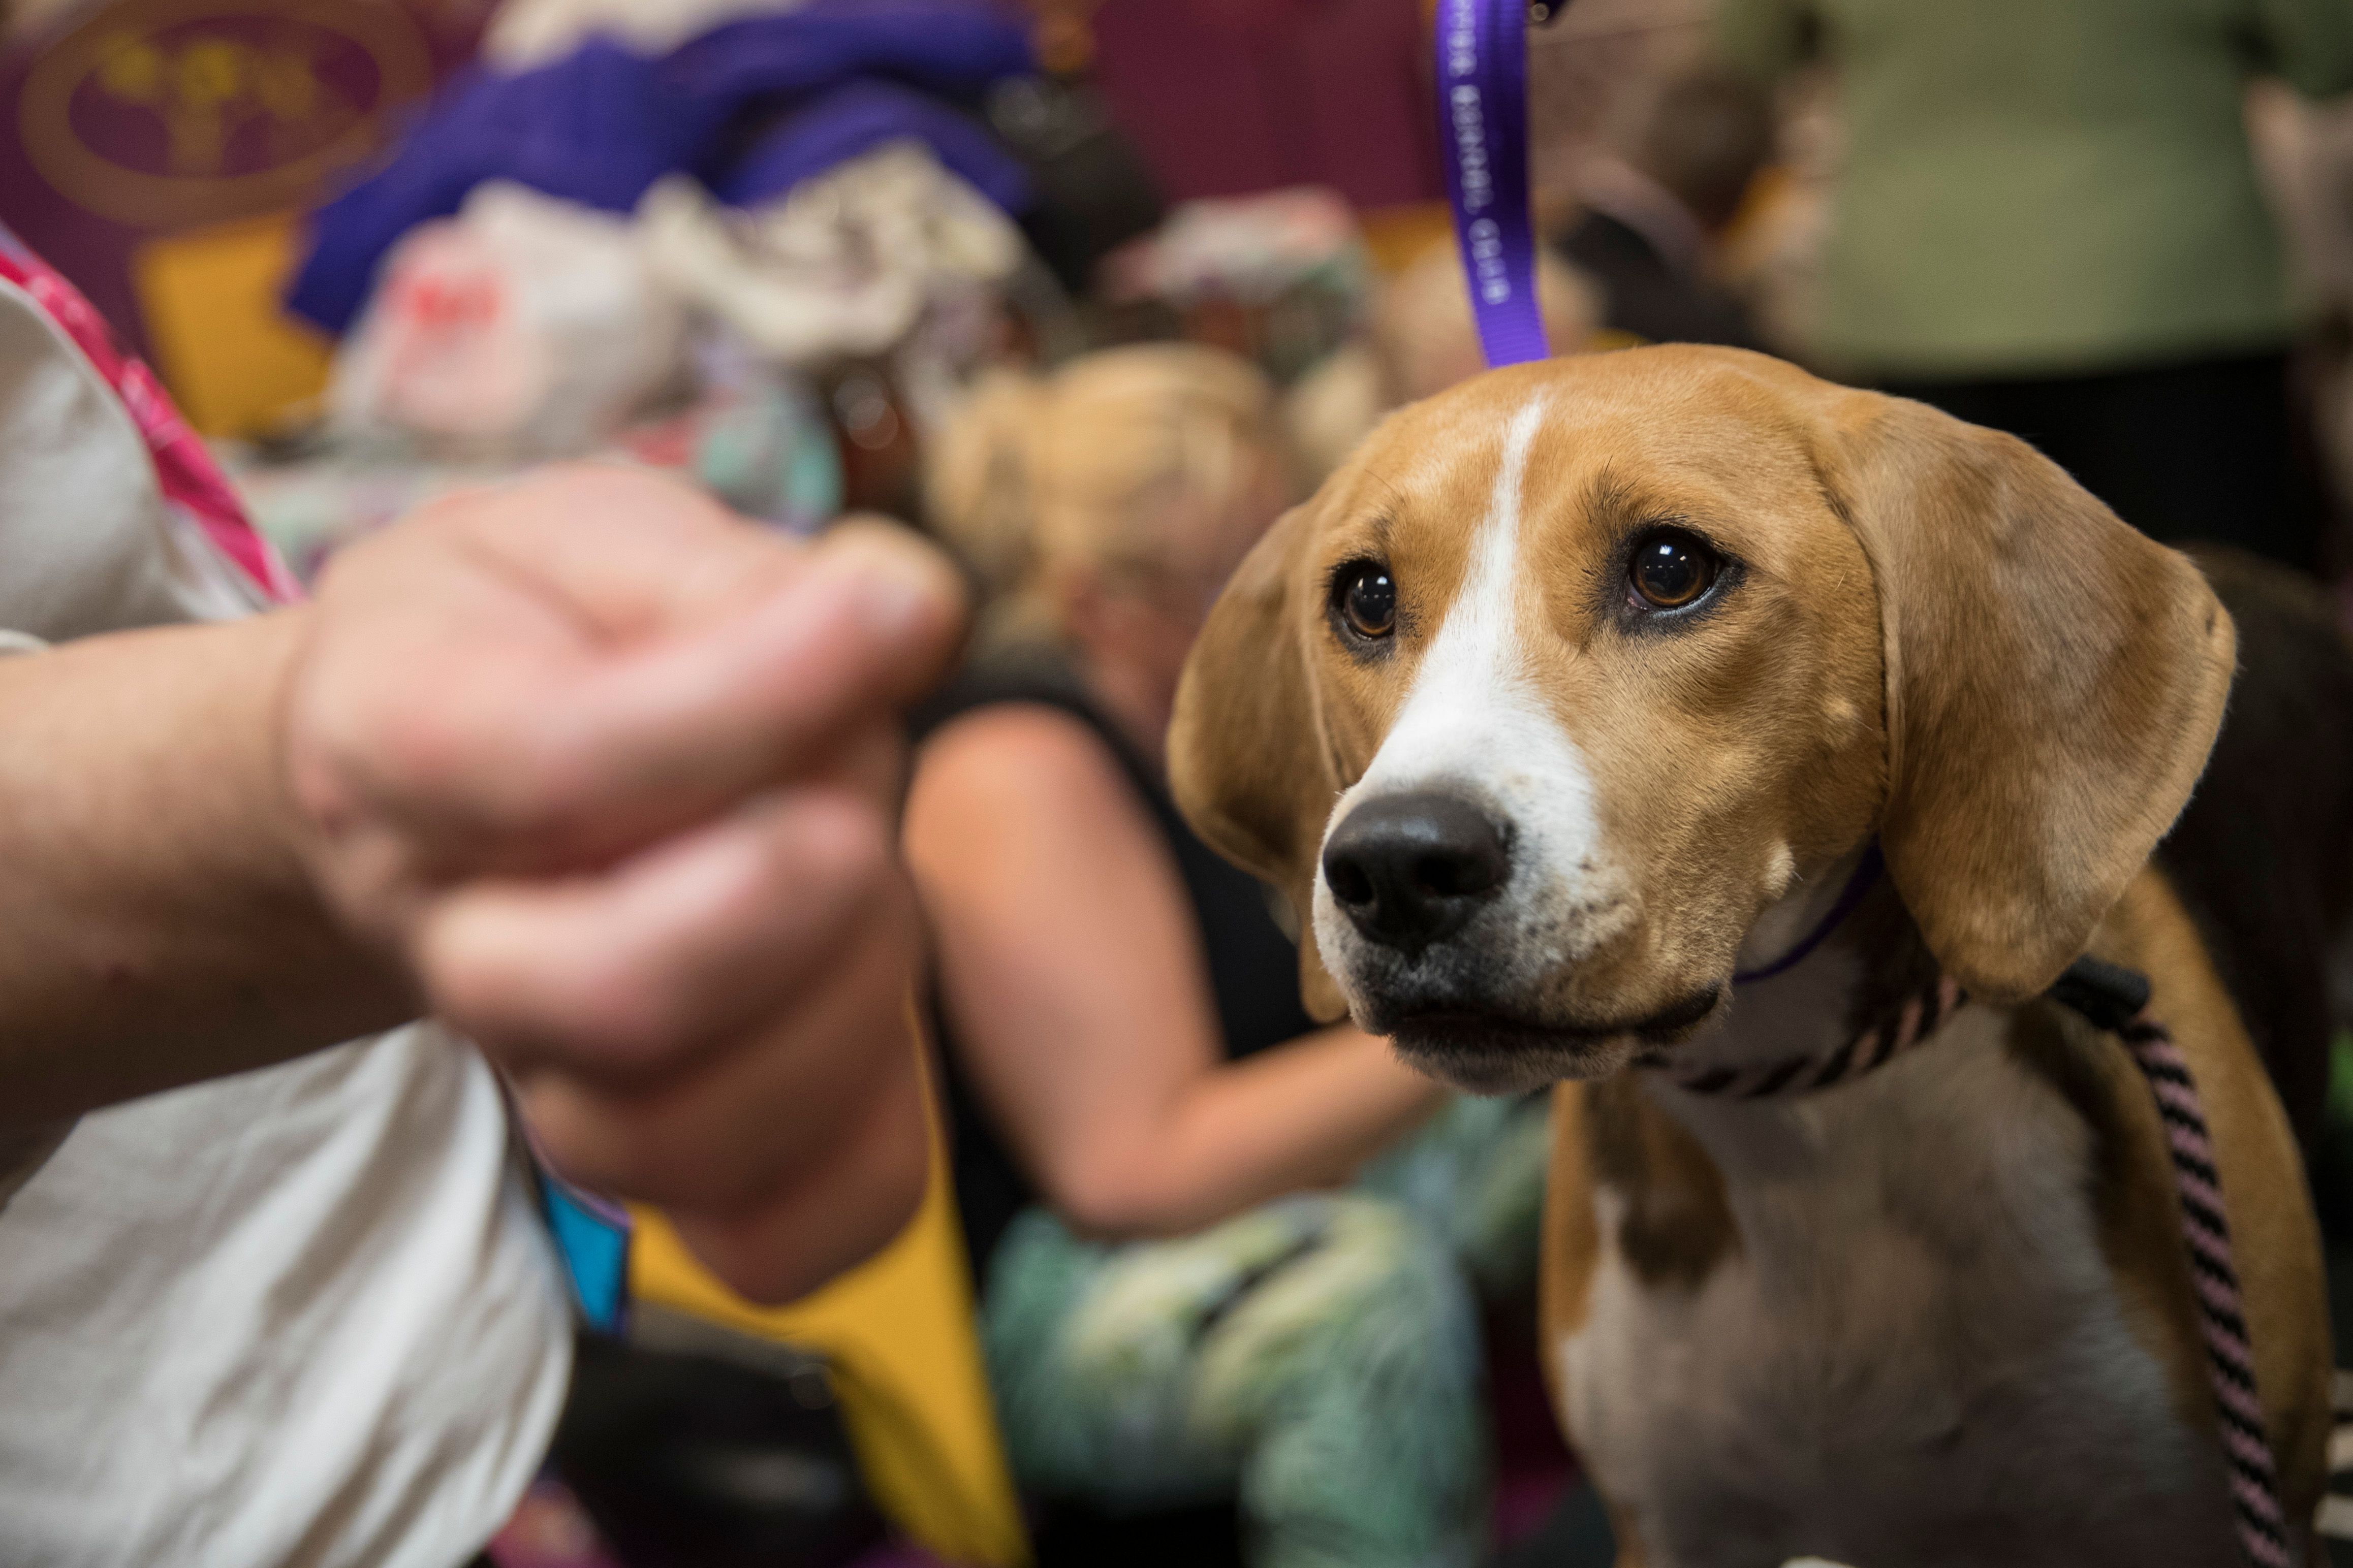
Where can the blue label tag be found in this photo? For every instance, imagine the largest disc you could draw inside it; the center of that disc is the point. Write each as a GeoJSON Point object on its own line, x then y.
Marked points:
{"type": "Point", "coordinates": [592, 1237]}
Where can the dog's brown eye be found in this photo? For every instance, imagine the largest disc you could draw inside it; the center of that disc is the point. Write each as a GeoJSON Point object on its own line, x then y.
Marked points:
{"type": "Point", "coordinates": [1368, 600]}
{"type": "Point", "coordinates": [1671, 568]}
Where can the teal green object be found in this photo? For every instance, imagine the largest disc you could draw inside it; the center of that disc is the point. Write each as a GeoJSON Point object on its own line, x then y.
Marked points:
{"type": "Point", "coordinates": [767, 452]}
{"type": "Point", "coordinates": [2053, 187]}
{"type": "Point", "coordinates": [1317, 1359]}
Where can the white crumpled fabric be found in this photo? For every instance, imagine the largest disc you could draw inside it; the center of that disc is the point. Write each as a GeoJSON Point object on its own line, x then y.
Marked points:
{"type": "Point", "coordinates": [846, 265]}
{"type": "Point", "coordinates": [527, 33]}
{"type": "Point", "coordinates": [526, 324]}
{"type": "Point", "coordinates": [1252, 248]}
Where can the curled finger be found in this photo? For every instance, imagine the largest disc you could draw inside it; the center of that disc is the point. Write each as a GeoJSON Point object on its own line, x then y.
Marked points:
{"type": "Point", "coordinates": [632, 973]}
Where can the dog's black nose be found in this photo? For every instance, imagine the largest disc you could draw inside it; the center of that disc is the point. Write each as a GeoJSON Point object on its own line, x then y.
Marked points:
{"type": "Point", "coordinates": [1411, 870]}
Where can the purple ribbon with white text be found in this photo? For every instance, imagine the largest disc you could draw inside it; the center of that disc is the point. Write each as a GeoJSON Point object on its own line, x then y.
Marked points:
{"type": "Point", "coordinates": [1482, 129]}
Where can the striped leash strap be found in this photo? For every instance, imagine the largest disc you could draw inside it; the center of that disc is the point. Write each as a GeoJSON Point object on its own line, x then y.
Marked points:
{"type": "Point", "coordinates": [2116, 1000]}
{"type": "Point", "coordinates": [2229, 1357]}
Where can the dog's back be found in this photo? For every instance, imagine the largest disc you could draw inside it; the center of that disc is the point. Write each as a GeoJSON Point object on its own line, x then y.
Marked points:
{"type": "Point", "coordinates": [2263, 857]}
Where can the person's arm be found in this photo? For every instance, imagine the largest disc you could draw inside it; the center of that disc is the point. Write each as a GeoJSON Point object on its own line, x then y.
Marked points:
{"type": "Point", "coordinates": [600, 775]}
{"type": "Point", "coordinates": [2309, 43]}
{"type": "Point", "coordinates": [161, 926]}
{"type": "Point", "coordinates": [1074, 979]}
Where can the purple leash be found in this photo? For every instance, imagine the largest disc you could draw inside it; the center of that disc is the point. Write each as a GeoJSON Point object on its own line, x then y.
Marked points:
{"type": "Point", "coordinates": [1483, 130]}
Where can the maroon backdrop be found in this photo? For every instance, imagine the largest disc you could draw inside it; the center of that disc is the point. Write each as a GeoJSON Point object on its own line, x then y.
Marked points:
{"type": "Point", "coordinates": [1233, 96]}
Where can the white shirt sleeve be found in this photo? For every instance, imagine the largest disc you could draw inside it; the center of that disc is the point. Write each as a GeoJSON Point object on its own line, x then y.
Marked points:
{"type": "Point", "coordinates": [88, 543]}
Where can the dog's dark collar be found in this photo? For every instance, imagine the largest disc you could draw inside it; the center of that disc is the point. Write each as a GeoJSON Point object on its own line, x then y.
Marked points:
{"type": "Point", "coordinates": [2107, 995]}
{"type": "Point", "coordinates": [1865, 875]}
{"type": "Point", "coordinates": [2103, 993]}
{"type": "Point", "coordinates": [1896, 1032]}
{"type": "Point", "coordinates": [1913, 1022]}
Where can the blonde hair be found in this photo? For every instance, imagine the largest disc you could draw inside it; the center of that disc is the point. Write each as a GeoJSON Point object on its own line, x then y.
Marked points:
{"type": "Point", "coordinates": [1425, 338]}
{"type": "Point", "coordinates": [1421, 338]}
{"type": "Point", "coordinates": [1096, 467]}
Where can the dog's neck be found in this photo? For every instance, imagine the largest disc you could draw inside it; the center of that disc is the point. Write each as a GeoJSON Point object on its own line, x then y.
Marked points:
{"type": "Point", "coordinates": [1858, 975]}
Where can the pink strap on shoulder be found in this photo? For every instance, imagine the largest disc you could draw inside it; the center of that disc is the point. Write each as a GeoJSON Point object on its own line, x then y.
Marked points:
{"type": "Point", "coordinates": [185, 470]}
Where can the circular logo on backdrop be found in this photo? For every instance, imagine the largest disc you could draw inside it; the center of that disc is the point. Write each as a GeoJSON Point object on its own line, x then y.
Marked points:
{"type": "Point", "coordinates": [157, 113]}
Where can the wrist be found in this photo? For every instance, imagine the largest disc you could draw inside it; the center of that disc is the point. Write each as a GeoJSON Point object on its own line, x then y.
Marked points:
{"type": "Point", "coordinates": [278, 641]}
{"type": "Point", "coordinates": [293, 835]}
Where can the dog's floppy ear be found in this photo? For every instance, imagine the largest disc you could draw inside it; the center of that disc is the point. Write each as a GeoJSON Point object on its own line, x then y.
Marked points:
{"type": "Point", "coordinates": [2054, 681]}
{"type": "Point", "coordinates": [1244, 759]}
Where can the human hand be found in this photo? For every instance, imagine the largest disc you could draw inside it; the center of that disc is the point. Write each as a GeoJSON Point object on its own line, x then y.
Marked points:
{"type": "Point", "coordinates": [617, 776]}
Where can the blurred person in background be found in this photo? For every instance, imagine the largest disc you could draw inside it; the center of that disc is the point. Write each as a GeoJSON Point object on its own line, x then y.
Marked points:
{"type": "Point", "coordinates": [1419, 338]}
{"type": "Point", "coordinates": [583, 767]}
{"type": "Point", "coordinates": [1652, 217]}
{"type": "Point", "coordinates": [1183, 1298]}
{"type": "Point", "coordinates": [2048, 221]}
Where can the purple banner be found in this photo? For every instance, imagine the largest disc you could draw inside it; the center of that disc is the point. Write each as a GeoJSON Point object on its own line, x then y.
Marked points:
{"type": "Point", "coordinates": [126, 121]}
{"type": "Point", "coordinates": [1483, 130]}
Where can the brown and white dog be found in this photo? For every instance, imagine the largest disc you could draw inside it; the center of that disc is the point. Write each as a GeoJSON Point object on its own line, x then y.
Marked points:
{"type": "Point", "coordinates": [1588, 683]}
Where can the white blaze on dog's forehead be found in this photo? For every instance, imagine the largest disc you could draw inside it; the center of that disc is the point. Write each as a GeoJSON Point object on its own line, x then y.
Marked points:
{"type": "Point", "coordinates": [1474, 717]}
{"type": "Point", "coordinates": [1472, 713]}
{"type": "Point", "coordinates": [1469, 666]}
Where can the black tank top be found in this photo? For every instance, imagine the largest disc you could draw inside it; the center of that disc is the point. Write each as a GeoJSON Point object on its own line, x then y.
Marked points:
{"type": "Point", "coordinates": [1253, 967]}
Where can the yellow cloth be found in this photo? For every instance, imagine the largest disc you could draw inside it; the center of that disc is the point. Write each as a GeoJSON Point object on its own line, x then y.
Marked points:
{"type": "Point", "coordinates": [898, 1331]}
{"type": "Point", "coordinates": [236, 362]}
